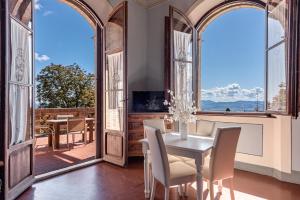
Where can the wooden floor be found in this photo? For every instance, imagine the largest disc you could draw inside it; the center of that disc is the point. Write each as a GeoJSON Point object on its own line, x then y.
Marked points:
{"type": "Point", "coordinates": [109, 182]}
{"type": "Point", "coordinates": [47, 160]}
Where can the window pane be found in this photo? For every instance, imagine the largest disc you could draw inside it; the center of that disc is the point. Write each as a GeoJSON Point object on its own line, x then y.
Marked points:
{"type": "Point", "coordinates": [277, 79]}
{"type": "Point", "coordinates": [114, 110]}
{"type": "Point", "coordinates": [20, 113]}
{"type": "Point", "coordinates": [22, 10]}
{"type": "Point", "coordinates": [277, 12]}
{"type": "Point", "coordinates": [232, 51]}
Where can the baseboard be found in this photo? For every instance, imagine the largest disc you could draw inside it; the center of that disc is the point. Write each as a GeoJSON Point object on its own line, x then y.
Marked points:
{"type": "Point", "coordinates": [66, 170]}
{"type": "Point", "coordinates": [294, 177]}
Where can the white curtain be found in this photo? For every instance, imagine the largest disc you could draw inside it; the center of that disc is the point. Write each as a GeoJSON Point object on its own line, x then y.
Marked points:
{"type": "Point", "coordinates": [115, 79]}
{"type": "Point", "coordinates": [114, 114]}
{"type": "Point", "coordinates": [183, 64]}
{"type": "Point", "coordinates": [20, 77]}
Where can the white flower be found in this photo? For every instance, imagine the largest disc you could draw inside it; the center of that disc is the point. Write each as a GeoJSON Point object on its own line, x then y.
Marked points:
{"type": "Point", "coordinates": [181, 107]}
{"type": "Point", "coordinates": [166, 102]}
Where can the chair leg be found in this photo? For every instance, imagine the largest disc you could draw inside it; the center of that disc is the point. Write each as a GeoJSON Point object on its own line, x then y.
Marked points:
{"type": "Point", "coordinates": [231, 189]}
{"type": "Point", "coordinates": [185, 188]}
{"type": "Point", "coordinates": [220, 186]}
{"type": "Point", "coordinates": [153, 189]}
{"type": "Point", "coordinates": [180, 190]}
{"type": "Point", "coordinates": [167, 193]}
{"type": "Point", "coordinates": [211, 190]}
{"type": "Point", "coordinates": [53, 141]}
{"type": "Point", "coordinates": [68, 141]}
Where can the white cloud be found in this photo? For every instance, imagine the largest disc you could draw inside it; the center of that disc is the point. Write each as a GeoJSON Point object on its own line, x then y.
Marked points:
{"type": "Point", "coordinates": [48, 12]}
{"type": "Point", "coordinates": [41, 58]}
{"type": "Point", "coordinates": [37, 5]}
{"type": "Point", "coordinates": [232, 92]}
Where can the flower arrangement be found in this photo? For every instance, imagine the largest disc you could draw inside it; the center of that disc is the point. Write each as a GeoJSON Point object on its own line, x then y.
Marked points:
{"type": "Point", "coordinates": [181, 107]}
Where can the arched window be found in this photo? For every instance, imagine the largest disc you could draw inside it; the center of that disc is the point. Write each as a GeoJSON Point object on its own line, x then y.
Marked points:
{"type": "Point", "coordinates": [232, 62]}
{"type": "Point", "coordinates": [244, 57]}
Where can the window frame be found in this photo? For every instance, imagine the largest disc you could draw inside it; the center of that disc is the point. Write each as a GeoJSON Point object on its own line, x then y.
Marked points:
{"type": "Point", "coordinates": [203, 22]}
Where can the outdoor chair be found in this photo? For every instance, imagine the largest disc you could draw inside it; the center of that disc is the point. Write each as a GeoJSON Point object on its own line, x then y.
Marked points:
{"type": "Point", "coordinates": [75, 127]}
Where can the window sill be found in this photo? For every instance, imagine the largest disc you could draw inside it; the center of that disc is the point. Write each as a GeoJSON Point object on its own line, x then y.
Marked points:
{"type": "Point", "coordinates": [238, 114]}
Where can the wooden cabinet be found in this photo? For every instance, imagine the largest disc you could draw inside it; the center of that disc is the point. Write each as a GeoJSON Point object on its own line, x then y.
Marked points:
{"type": "Point", "coordinates": [136, 131]}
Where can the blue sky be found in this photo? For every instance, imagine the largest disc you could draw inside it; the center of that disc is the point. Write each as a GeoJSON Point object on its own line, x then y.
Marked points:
{"type": "Point", "coordinates": [233, 48]}
{"type": "Point", "coordinates": [233, 55]}
{"type": "Point", "coordinates": [62, 36]}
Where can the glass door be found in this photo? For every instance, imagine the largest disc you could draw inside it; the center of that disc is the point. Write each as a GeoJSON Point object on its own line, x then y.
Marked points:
{"type": "Point", "coordinates": [115, 126]}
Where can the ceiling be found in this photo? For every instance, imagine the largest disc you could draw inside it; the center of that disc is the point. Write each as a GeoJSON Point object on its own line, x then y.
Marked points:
{"type": "Point", "coordinates": [149, 3]}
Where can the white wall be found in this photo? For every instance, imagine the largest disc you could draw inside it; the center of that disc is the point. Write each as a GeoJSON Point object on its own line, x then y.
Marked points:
{"type": "Point", "coordinates": [137, 49]}
{"type": "Point", "coordinates": [276, 141]}
{"type": "Point", "coordinates": [296, 144]}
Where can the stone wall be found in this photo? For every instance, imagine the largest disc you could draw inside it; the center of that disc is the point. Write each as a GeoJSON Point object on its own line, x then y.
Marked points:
{"type": "Point", "coordinates": [51, 113]}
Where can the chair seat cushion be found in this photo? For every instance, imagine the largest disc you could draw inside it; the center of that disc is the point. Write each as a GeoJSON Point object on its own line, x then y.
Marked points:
{"type": "Point", "coordinates": [205, 168]}
{"type": "Point", "coordinates": [171, 158]}
{"type": "Point", "coordinates": [181, 172]}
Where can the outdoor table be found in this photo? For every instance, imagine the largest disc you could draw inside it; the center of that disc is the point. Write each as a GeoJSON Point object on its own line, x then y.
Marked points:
{"type": "Point", "coordinates": [57, 123]}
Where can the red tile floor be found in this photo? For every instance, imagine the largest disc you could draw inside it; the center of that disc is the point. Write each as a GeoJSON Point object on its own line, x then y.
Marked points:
{"type": "Point", "coordinates": [47, 160]}
{"type": "Point", "coordinates": [110, 182]}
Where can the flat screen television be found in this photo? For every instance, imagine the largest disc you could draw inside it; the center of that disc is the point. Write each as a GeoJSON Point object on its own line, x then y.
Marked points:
{"type": "Point", "coordinates": [149, 101]}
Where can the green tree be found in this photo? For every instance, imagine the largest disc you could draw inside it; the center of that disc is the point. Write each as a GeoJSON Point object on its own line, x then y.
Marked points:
{"type": "Point", "coordinates": [61, 86]}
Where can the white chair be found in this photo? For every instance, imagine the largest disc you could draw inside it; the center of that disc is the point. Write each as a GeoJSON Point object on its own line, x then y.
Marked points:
{"type": "Point", "coordinates": [160, 125]}
{"type": "Point", "coordinates": [220, 164]}
{"type": "Point", "coordinates": [168, 174]}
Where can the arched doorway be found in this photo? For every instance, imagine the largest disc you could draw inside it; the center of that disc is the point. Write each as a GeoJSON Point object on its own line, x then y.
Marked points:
{"type": "Point", "coordinates": [65, 65]}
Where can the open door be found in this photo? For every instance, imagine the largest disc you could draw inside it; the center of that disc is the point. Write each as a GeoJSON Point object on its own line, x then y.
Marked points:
{"type": "Point", "coordinates": [182, 59]}
{"type": "Point", "coordinates": [115, 106]}
{"type": "Point", "coordinates": [18, 98]}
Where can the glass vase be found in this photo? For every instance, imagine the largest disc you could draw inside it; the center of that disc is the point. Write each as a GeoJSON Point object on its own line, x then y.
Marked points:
{"type": "Point", "coordinates": [183, 130]}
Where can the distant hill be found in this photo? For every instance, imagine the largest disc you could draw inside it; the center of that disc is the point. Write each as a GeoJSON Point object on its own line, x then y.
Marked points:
{"type": "Point", "coordinates": [237, 106]}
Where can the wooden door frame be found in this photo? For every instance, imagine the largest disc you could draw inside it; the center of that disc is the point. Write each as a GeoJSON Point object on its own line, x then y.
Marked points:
{"type": "Point", "coordinates": [3, 26]}
{"type": "Point", "coordinates": [125, 69]}
{"type": "Point", "coordinates": [5, 62]}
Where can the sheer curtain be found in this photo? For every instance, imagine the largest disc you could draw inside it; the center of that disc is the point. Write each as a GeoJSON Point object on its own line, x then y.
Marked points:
{"type": "Point", "coordinates": [183, 64]}
{"type": "Point", "coordinates": [20, 77]}
{"type": "Point", "coordinates": [115, 90]}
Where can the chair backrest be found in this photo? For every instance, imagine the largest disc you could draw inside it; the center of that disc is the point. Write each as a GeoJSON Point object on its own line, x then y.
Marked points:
{"type": "Point", "coordinates": [75, 125]}
{"type": "Point", "coordinates": [155, 123]}
{"type": "Point", "coordinates": [204, 128]}
{"type": "Point", "coordinates": [160, 164]}
{"type": "Point", "coordinates": [64, 116]}
{"type": "Point", "coordinates": [223, 153]}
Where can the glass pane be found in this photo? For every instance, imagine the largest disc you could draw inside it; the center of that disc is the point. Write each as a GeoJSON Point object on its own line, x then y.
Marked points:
{"type": "Point", "coordinates": [277, 13]}
{"type": "Point", "coordinates": [277, 79]}
{"type": "Point", "coordinates": [114, 32]}
{"type": "Point", "coordinates": [114, 71]}
{"type": "Point", "coordinates": [183, 80]}
{"type": "Point", "coordinates": [114, 105]}
{"type": "Point", "coordinates": [21, 54]}
{"type": "Point", "coordinates": [22, 10]}
{"type": "Point", "coordinates": [183, 38]}
{"type": "Point", "coordinates": [20, 113]}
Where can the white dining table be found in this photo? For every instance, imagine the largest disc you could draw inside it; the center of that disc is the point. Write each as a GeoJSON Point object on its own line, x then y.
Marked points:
{"type": "Point", "coordinates": [194, 147]}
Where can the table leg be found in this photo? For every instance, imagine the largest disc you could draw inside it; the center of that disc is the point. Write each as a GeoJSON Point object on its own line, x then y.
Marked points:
{"type": "Point", "coordinates": [50, 140]}
{"type": "Point", "coordinates": [90, 129]}
{"type": "Point", "coordinates": [199, 164]}
{"type": "Point", "coordinates": [56, 135]}
{"type": "Point", "coordinates": [146, 174]}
